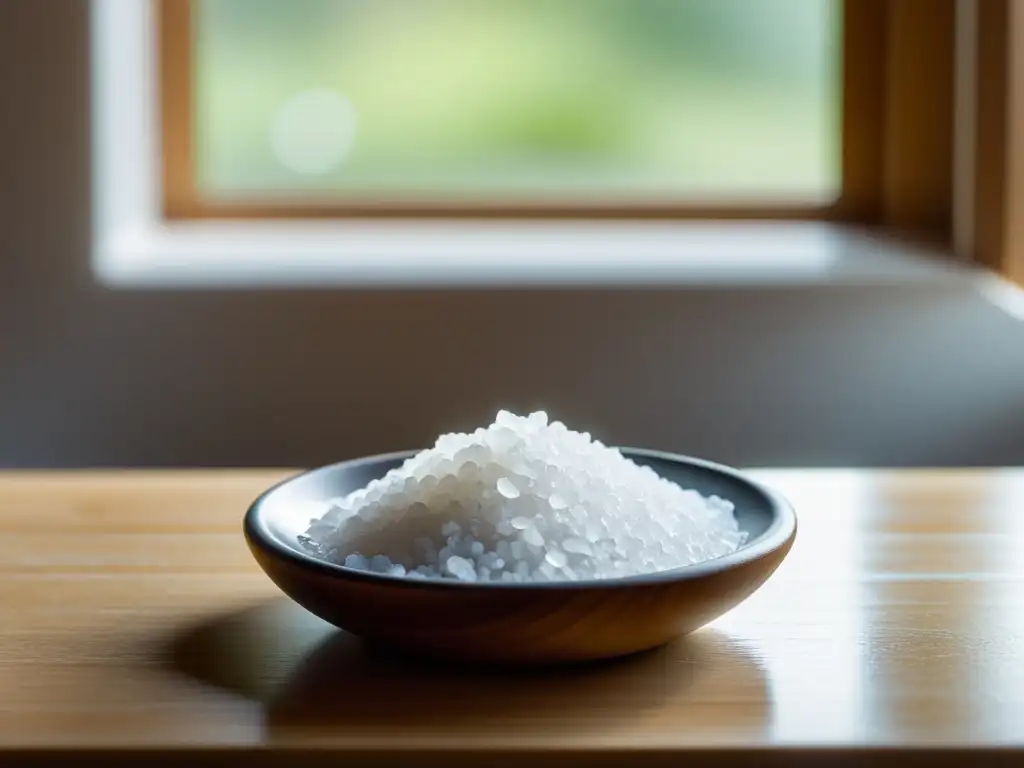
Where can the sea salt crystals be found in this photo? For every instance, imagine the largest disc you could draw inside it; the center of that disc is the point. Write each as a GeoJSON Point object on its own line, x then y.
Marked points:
{"type": "Point", "coordinates": [518, 501]}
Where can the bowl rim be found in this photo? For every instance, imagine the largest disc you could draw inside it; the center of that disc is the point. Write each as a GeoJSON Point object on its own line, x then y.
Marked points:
{"type": "Point", "coordinates": [780, 532]}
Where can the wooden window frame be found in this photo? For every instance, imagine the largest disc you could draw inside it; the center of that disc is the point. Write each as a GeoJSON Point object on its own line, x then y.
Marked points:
{"type": "Point", "coordinates": [897, 136]}
{"type": "Point", "coordinates": [996, 239]}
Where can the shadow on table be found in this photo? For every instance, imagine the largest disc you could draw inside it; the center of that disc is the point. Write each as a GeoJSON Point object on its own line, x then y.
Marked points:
{"type": "Point", "coordinates": [309, 675]}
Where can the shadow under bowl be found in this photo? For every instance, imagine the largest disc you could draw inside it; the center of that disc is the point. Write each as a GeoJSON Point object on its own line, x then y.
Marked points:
{"type": "Point", "coordinates": [497, 622]}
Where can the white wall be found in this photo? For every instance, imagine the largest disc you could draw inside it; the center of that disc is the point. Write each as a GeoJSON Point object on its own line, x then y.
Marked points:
{"type": "Point", "coordinates": [899, 373]}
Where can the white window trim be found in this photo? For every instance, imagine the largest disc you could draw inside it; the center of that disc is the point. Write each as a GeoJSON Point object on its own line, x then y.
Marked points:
{"type": "Point", "coordinates": [134, 247]}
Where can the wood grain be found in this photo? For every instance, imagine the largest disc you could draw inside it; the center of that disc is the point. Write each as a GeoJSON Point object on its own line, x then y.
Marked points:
{"type": "Point", "coordinates": [133, 618]}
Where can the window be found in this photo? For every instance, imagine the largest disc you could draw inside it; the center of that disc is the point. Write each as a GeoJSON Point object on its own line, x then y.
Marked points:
{"type": "Point", "coordinates": [223, 128]}
{"type": "Point", "coordinates": [521, 107]}
{"type": "Point", "coordinates": [504, 100]}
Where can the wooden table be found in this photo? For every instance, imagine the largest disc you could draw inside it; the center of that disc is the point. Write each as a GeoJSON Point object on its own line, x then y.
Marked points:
{"type": "Point", "coordinates": [133, 622]}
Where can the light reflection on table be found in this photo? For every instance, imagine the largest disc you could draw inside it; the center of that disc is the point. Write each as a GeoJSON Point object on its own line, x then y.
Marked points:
{"type": "Point", "coordinates": [131, 614]}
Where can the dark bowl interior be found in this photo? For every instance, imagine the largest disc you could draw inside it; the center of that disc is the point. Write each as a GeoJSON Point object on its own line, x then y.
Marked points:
{"type": "Point", "coordinates": [416, 613]}
{"type": "Point", "coordinates": [283, 513]}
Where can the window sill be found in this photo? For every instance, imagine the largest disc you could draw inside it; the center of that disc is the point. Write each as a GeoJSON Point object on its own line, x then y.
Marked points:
{"type": "Point", "coordinates": [502, 254]}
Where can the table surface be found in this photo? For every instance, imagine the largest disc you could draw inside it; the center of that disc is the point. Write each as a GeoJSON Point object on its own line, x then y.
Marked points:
{"type": "Point", "coordinates": [133, 617]}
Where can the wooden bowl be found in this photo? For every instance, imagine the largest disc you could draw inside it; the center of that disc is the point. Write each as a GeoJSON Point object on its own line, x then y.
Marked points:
{"type": "Point", "coordinates": [508, 622]}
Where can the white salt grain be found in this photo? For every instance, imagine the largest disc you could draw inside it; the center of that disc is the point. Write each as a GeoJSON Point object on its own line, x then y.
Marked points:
{"type": "Point", "coordinates": [522, 500]}
{"type": "Point", "coordinates": [576, 546]}
{"type": "Point", "coordinates": [461, 568]}
{"type": "Point", "coordinates": [532, 536]}
{"type": "Point", "coordinates": [556, 558]}
{"type": "Point", "coordinates": [507, 489]}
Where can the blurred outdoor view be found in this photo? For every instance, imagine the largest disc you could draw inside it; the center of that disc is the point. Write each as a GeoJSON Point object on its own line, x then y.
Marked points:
{"type": "Point", "coordinates": [708, 100]}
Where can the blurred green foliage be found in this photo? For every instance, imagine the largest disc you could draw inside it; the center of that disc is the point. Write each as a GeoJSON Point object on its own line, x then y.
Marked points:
{"type": "Point", "coordinates": [558, 98]}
